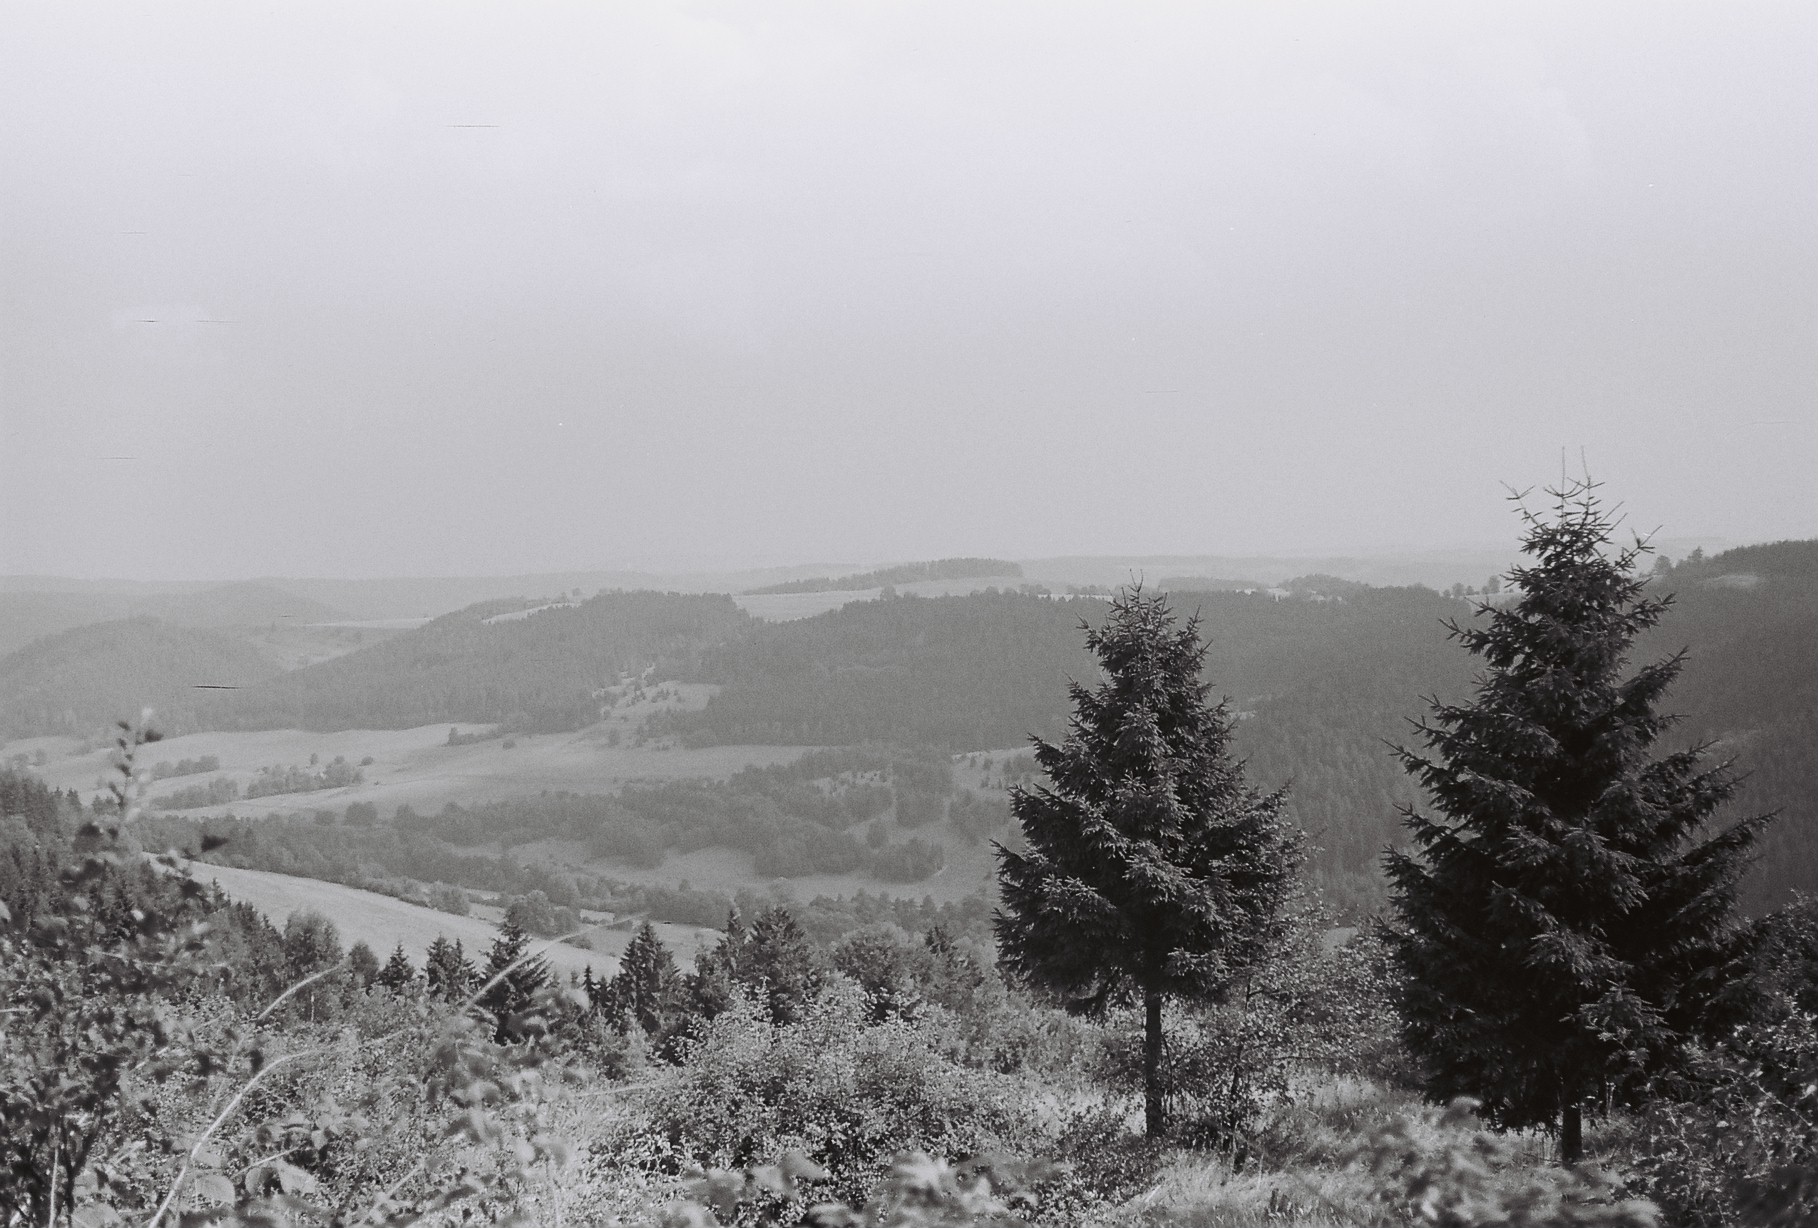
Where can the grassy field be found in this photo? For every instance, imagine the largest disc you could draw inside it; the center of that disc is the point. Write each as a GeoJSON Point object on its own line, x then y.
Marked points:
{"type": "Point", "coordinates": [414, 767]}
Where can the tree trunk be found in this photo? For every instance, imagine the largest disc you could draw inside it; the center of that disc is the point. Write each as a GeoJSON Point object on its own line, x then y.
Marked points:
{"type": "Point", "coordinates": [1153, 1121]}
{"type": "Point", "coordinates": [1571, 1134]}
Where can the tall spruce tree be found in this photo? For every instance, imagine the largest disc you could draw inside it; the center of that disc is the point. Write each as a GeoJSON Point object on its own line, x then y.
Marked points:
{"type": "Point", "coordinates": [1564, 924]}
{"type": "Point", "coordinates": [1153, 871]}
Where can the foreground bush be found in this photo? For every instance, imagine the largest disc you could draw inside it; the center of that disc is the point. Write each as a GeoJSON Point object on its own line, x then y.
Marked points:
{"type": "Point", "coordinates": [845, 1092]}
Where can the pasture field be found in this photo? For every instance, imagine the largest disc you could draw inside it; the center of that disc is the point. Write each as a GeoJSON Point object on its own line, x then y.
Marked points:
{"type": "Point", "coordinates": [414, 767]}
{"type": "Point", "coordinates": [382, 922]}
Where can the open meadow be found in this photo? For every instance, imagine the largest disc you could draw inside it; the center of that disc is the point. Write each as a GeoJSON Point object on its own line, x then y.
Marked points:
{"type": "Point", "coordinates": [383, 923]}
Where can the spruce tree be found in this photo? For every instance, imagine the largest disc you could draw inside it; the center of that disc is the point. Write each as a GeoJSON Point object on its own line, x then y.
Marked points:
{"type": "Point", "coordinates": [643, 992]}
{"type": "Point", "coordinates": [1153, 871]}
{"type": "Point", "coordinates": [713, 986]}
{"type": "Point", "coordinates": [447, 970]}
{"type": "Point", "coordinates": [1564, 924]}
{"type": "Point", "coordinates": [397, 975]}
{"type": "Point", "coordinates": [780, 964]}
{"type": "Point", "coordinates": [512, 980]}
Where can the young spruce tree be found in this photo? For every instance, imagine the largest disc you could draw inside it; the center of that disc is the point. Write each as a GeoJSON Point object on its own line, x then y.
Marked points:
{"type": "Point", "coordinates": [1563, 927]}
{"type": "Point", "coordinates": [1153, 871]}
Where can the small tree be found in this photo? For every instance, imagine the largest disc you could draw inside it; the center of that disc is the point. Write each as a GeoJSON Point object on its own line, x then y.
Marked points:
{"type": "Point", "coordinates": [1562, 927]}
{"type": "Point", "coordinates": [1153, 870]}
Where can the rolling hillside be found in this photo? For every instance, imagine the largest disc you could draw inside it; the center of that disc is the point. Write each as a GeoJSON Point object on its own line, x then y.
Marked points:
{"type": "Point", "coordinates": [543, 672]}
{"type": "Point", "coordinates": [1320, 681]}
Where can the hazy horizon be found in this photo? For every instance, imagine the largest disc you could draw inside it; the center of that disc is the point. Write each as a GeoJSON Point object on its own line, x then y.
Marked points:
{"type": "Point", "coordinates": [412, 290]}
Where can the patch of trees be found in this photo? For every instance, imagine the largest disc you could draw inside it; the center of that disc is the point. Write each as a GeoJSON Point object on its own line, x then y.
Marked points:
{"type": "Point", "coordinates": [906, 573]}
{"type": "Point", "coordinates": [165, 769]}
{"type": "Point", "coordinates": [216, 792]}
{"type": "Point", "coordinates": [275, 779]}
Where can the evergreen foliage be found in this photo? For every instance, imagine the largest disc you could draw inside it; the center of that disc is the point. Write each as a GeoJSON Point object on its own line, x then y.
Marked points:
{"type": "Point", "coordinates": [1565, 924]}
{"type": "Point", "coordinates": [1153, 870]}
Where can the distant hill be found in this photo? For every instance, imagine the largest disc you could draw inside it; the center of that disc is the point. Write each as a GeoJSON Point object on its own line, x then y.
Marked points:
{"type": "Point", "coordinates": [541, 672]}
{"type": "Point", "coordinates": [82, 680]}
{"type": "Point", "coordinates": [26, 616]}
{"type": "Point", "coordinates": [430, 596]}
{"type": "Point", "coordinates": [1749, 618]}
{"type": "Point", "coordinates": [905, 573]}
{"type": "Point", "coordinates": [249, 603]}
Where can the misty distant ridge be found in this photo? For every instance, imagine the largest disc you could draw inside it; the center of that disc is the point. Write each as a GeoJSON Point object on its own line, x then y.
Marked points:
{"type": "Point", "coordinates": [36, 605]}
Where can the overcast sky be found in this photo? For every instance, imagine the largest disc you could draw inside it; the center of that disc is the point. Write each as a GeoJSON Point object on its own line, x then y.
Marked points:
{"type": "Point", "coordinates": [431, 289]}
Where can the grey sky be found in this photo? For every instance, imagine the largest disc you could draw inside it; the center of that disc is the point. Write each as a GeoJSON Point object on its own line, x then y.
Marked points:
{"type": "Point", "coordinates": [451, 288]}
